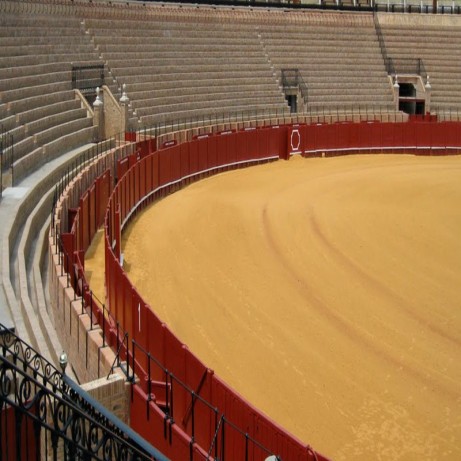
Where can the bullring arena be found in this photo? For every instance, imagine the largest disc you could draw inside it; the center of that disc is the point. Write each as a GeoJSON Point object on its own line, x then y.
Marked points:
{"type": "Point", "coordinates": [252, 252]}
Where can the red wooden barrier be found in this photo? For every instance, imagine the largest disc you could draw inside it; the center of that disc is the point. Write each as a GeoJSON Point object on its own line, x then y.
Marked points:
{"type": "Point", "coordinates": [174, 163]}
{"type": "Point", "coordinates": [30, 446]}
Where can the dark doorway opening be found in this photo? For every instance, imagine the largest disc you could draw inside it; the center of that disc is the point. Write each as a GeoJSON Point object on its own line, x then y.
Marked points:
{"type": "Point", "coordinates": [407, 90]}
{"type": "Point", "coordinates": [292, 100]}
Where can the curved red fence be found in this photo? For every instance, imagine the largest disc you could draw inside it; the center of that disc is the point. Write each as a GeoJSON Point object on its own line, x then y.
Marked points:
{"type": "Point", "coordinates": [178, 404]}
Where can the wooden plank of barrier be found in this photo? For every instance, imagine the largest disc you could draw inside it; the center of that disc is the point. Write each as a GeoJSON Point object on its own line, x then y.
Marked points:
{"type": "Point", "coordinates": [140, 326]}
{"type": "Point", "coordinates": [232, 147]}
{"type": "Point", "coordinates": [146, 419]}
{"type": "Point", "coordinates": [194, 157]}
{"type": "Point", "coordinates": [216, 151]}
{"type": "Point", "coordinates": [84, 222]}
{"type": "Point", "coordinates": [142, 178]}
{"type": "Point", "coordinates": [148, 170]}
{"type": "Point", "coordinates": [92, 212]}
{"type": "Point", "coordinates": [263, 142]}
{"type": "Point", "coordinates": [129, 192]}
{"type": "Point", "coordinates": [202, 146]}
{"type": "Point", "coordinates": [387, 136]}
{"type": "Point", "coordinates": [155, 170]}
{"type": "Point", "coordinates": [249, 144]}
{"type": "Point", "coordinates": [127, 308]}
{"type": "Point", "coordinates": [408, 135]}
{"type": "Point", "coordinates": [185, 159]}
{"type": "Point", "coordinates": [156, 343]}
{"type": "Point", "coordinates": [375, 136]}
{"type": "Point", "coordinates": [117, 300]}
{"type": "Point", "coordinates": [122, 167]}
{"type": "Point", "coordinates": [398, 135]}
{"type": "Point", "coordinates": [117, 233]}
{"type": "Point", "coordinates": [164, 166]}
{"type": "Point", "coordinates": [277, 142]}
{"type": "Point", "coordinates": [310, 139]}
{"type": "Point", "coordinates": [137, 183]}
{"type": "Point", "coordinates": [237, 413]}
{"type": "Point", "coordinates": [103, 186]}
{"type": "Point", "coordinates": [110, 280]}
{"type": "Point", "coordinates": [199, 379]}
{"type": "Point", "coordinates": [175, 163]}
{"type": "Point", "coordinates": [439, 137]}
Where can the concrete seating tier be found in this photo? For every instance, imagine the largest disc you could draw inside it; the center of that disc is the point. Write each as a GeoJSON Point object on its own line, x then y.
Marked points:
{"type": "Point", "coordinates": [36, 57]}
{"type": "Point", "coordinates": [234, 112]}
{"type": "Point", "coordinates": [436, 44]}
{"type": "Point", "coordinates": [14, 42]}
{"type": "Point", "coordinates": [34, 80]}
{"type": "Point", "coordinates": [188, 91]}
{"type": "Point", "coordinates": [197, 70]}
{"type": "Point", "coordinates": [26, 105]}
{"type": "Point", "coordinates": [65, 58]}
{"type": "Point", "coordinates": [330, 59]}
{"type": "Point", "coordinates": [215, 76]}
{"type": "Point", "coordinates": [228, 103]}
{"type": "Point", "coordinates": [171, 66]}
{"type": "Point", "coordinates": [184, 56]}
{"type": "Point", "coordinates": [194, 98]}
{"type": "Point", "coordinates": [161, 87]}
{"type": "Point", "coordinates": [184, 63]}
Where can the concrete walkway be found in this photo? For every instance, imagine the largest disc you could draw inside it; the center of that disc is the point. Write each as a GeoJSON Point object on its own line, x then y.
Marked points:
{"type": "Point", "coordinates": [16, 204]}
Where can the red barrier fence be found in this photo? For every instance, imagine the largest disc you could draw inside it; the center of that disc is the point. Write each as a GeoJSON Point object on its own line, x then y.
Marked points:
{"type": "Point", "coordinates": [178, 403]}
{"type": "Point", "coordinates": [417, 137]}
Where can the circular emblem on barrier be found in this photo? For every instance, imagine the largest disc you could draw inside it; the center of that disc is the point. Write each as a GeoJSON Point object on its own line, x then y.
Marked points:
{"type": "Point", "coordinates": [295, 140]}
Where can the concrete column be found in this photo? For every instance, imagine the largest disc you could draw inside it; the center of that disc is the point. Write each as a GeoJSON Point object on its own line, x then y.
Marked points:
{"type": "Point", "coordinates": [98, 117]}
{"type": "Point", "coordinates": [396, 88]}
{"type": "Point", "coordinates": [124, 103]}
{"type": "Point", "coordinates": [428, 89]}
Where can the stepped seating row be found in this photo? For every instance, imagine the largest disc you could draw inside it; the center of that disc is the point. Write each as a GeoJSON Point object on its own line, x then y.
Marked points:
{"type": "Point", "coordinates": [330, 60]}
{"type": "Point", "coordinates": [191, 92]}
{"type": "Point", "coordinates": [237, 112]}
{"type": "Point", "coordinates": [40, 111]}
{"type": "Point", "coordinates": [184, 67]}
{"type": "Point", "coordinates": [227, 101]}
{"type": "Point", "coordinates": [436, 46]}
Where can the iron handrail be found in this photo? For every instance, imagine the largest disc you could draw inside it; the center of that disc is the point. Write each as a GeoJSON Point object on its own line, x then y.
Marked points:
{"type": "Point", "coordinates": [34, 387]}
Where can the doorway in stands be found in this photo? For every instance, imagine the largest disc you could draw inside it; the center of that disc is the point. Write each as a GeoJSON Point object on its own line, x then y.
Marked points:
{"type": "Point", "coordinates": [292, 100]}
{"type": "Point", "coordinates": [413, 94]}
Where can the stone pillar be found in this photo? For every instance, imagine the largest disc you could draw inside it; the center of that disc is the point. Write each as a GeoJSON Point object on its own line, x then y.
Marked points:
{"type": "Point", "coordinates": [396, 88]}
{"type": "Point", "coordinates": [428, 89]}
{"type": "Point", "coordinates": [124, 103]}
{"type": "Point", "coordinates": [98, 117]}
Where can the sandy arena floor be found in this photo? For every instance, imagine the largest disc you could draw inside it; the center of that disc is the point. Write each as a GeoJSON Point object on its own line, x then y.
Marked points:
{"type": "Point", "coordinates": [325, 291]}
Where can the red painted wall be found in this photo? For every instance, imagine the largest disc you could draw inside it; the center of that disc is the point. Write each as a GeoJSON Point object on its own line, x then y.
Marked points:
{"type": "Point", "coordinates": [165, 367]}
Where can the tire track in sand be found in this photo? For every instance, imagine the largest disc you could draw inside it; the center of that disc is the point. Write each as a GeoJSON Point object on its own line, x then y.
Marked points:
{"type": "Point", "coordinates": [341, 323]}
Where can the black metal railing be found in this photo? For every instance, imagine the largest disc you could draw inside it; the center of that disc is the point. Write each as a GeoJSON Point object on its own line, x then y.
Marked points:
{"type": "Point", "coordinates": [292, 78]}
{"type": "Point", "coordinates": [45, 415]}
{"type": "Point", "coordinates": [87, 78]}
{"type": "Point", "coordinates": [399, 66]}
{"type": "Point", "coordinates": [398, 6]}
